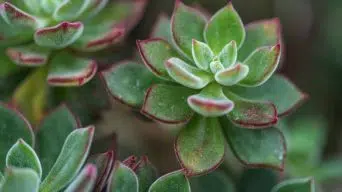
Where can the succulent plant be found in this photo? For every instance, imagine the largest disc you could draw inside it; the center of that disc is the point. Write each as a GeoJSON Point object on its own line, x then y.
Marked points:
{"type": "Point", "coordinates": [216, 78]}
{"type": "Point", "coordinates": [51, 36]}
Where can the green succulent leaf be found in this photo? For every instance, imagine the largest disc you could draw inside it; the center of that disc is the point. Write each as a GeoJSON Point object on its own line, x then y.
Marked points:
{"type": "Point", "coordinates": [217, 181]}
{"type": "Point", "coordinates": [167, 103]}
{"type": "Point", "coordinates": [155, 52]}
{"type": "Point", "coordinates": [259, 179]}
{"type": "Point", "coordinates": [256, 147]}
{"type": "Point", "coordinates": [200, 145]}
{"type": "Point", "coordinates": [146, 172]}
{"type": "Point", "coordinates": [70, 9]}
{"type": "Point", "coordinates": [128, 82]}
{"type": "Point", "coordinates": [162, 28]}
{"type": "Point", "coordinates": [29, 6]}
{"type": "Point", "coordinates": [104, 163]}
{"type": "Point", "coordinates": [298, 185]}
{"type": "Point", "coordinates": [223, 27]}
{"type": "Point", "coordinates": [186, 74]}
{"type": "Point", "coordinates": [1, 178]}
{"type": "Point", "coordinates": [278, 90]}
{"type": "Point", "coordinates": [259, 34]}
{"type": "Point", "coordinates": [15, 126]}
{"type": "Point", "coordinates": [171, 182]}
{"type": "Point", "coordinates": [59, 36]}
{"type": "Point", "coordinates": [123, 178]}
{"type": "Point", "coordinates": [70, 160]}
{"type": "Point", "coordinates": [202, 54]}
{"type": "Point", "coordinates": [262, 63]}
{"type": "Point", "coordinates": [85, 180]}
{"type": "Point", "coordinates": [49, 6]}
{"type": "Point", "coordinates": [252, 113]}
{"type": "Point", "coordinates": [211, 102]}
{"type": "Point", "coordinates": [228, 54]}
{"type": "Point", "coordinates": [21, 155]}
{"type": "Point", "coordinates": [186, 24]}
{"type": "Point", "coordinates": [233, 75]}
{"type": "Point", "coordinates": [20, 179]}
{"type": "Point", "coordinates": [28, 55]}
{"type": "Point", "coordinates": [7, 67]}
{"type": "Point", "coordinates": [68, 70]}
{"type": "Point", "coordinates": [94, 7]}
{"type": "Point", "coordinates": [53, 130]}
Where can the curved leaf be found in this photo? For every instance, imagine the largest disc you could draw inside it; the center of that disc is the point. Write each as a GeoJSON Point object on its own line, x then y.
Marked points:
{"type": "Point", "coordinates": [171, 182]}
{"type": "Point", "coordinates": [29, 6]}
{"type": "Point", "coordinates": [167, 103]}
{"type": "Point", "coordinates": [155, 52]}
{"type": "Point", "coordinates": [68, 70]}
{"type": "Point", "coordinates": [278, 89]}
{"type": "Point", "coordinates": [59, 36]}
{"type": "Point", "coordinates": [217, 181]}
{"type": "Point", "coordinates": [94, 7]}
{"type": "Point", "coordinates": [232, 75]}
{"type": "Point", "coordinates": [21, 155]}
{"type": "Point", "coordinates": [104, 164]}
{"type": "Point", "coordinates": [224, 27]}
{"type": "Point", "coordinates": [49, 6]}
{"type": "Point", "coordinates": [200, 146]}
{"type": "Point", "coordinates": [202, 54]}
{"type": "Point", "coordinates": [146, 172]}
{"type": "Point", "coordinates": [259, 34]}
{"type": "Point", "coordinates": [186, 24]}
{"type": "Point", "coordinates": [229, 54]}
{"type": "Point", "coordinates": [70, 160]}
{"type": "Point", "coordinates": [85, 180]}
{"type": "Point", "coordinates": [262, 63]}
{"type": "Point", "coordinates": [298, 185]}
{"type": "Point", "coordinates": [256, 147]}
{"type": "Point", "coordinates": [7, 67]}
{"type": "Point", "coordinates": [52, 132]}
{"type": "Point", "coordinates": [162, 28]}
{"type": "Point", "coordinates": [186, 74]}
{"type": "Point", "coordinates": [128, 82]}
{"type": "Point", "coordinates": [20, 179]}
{"type": "Point", "coordinates": [122, 179]}
{"type": "Point", "coordinates": [70, 9]}
{"type": "Point", "coordinates": [15, 126]}
{"type": "Point", "coordinates": [28, 55]}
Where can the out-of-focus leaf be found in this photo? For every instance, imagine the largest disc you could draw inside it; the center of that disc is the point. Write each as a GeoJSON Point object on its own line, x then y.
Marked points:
{"type": "Point", "coordinates": [298, 185]}
{"type": "Point", "coordinates": [28, 55]}
{"type": "Point", "coordinates": [171, 182]}
{"type": "Point", "coordinates": [146, 172]}
{"type": "Point", "coordinates": [167, 103]}
{"type": "Point", "coordinates": [186, 24]}
{"type": "Point", "coordinates": [253, 180]}
{"type": "Point", "coordinates": [162, 29]}
{"type": "Point", "coordinates": [128, 82]}
{"type": "Point", "coordinates": [70, 9]}
{"type": "Point", "coordinates": [200, 145]}
{"type": "Point", "coordinates": [20, 179]}
{"type": "Point", "coordinates": [69, 162]}
{"type": "Point", "coordinates": [7, 67]}
{"type": "Point", "coordinates": [30, 100]}
{"type": "Point", "coordinates": [14, 126]}
{"type": "Point", "coordinates": [122, 179]}
{"type": "Point", "coordinates": [85, 180]}
{"type": "Point", "coordinates": [217, 181]}
{"type": "Point", "coordinates": [21, 155]}
{"type": "Point", "coordinates": [104, 164]}
{"type": "Point", "coordinates": [52, 132]}
{"type": "Point", "coordinates": [256, 147]}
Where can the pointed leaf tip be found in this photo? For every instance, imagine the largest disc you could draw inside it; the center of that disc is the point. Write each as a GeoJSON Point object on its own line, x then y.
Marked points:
{"type": "Point", "coordinates": [85, 180]}
{"type": "Point", "coordinates": [104, 164]}
{"type": "Point", "coordinates": [202, 54]}
{"type": "Point", "coordinates": [228, 54]}
{"type": "Point", "coordinates": [298, 184]}
{"type": "Point", "coordinates": [123, 179]}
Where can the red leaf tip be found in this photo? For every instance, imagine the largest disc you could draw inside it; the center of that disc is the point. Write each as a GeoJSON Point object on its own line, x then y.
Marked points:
{"type": "Point", "coordinates": [91, 171]}
{"type": "Point", "coordinates": [64, 26]}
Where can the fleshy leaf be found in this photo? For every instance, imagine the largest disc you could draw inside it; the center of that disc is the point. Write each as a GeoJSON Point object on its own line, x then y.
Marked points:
{"type": "Point", "coordinates": [122, 179]}
{"type": "Point", "coordinates": [146, 173]}
{"type": "Point", "coordinates": [229, 54]}
{"type": "Point", "coordinates": [49, 6]}
{"type": "Point", "coordinates": [21, 155]}
{"type": "Point", "coordinates": [216, 66]}
{"type": "Point", "coordinates": [59, 36]}
{"type": "Point", "coordinates": [278, 89]}
{"type": "Point", "coordinates": [252, 113]}
{"type": "Point", "coordinates": [232, 75]}
{"type": "Point", "coordinates": [259, 34]}
{"type": "Point", "coordinates": [29, 6]}
{"type": "Point", "coordinates": [7, 67]}
{"type": "Point", "coordinates": [200, 145]}
{"type": "Point", "coordinates": [223, 27]}
{"type": "Point", "coordinates": [155, 52]}
{"type": "Point", "coordinates": [1, 178]}
{"type": "Point", "coordinates": [70, 160]}
{"type": "Point", "coordinates": [186, 74]}
{"type": "Point", "coordinates": [28, 55]}
{"type": "Point", "coordinates": [128, 82]}
{"type": "Point", "coordinates": [262, 63]}
{"type": "Point", "coordinates": [210, 102]}
{"type": "Point", "coordinates": [104, 164]}
{"type": "Point", "coordinates": [167, 103]}
{"type": "Point", "coordinates": [20, 179]}
{"type": "Point", "coordinates": [85, 180]}
{"type": "Point", "coordinates": [298, 185]}
{"type": "Point", "coordinates": [15, 126]}
{"type": "Point", "coordinates": [217, 181]}
{"type": "Point", "coordinates": [202, 54]}
{"type": "Point", "coordinates": [162, 28]}
{"type": "Point", "coordinates": [53, 130]}
{"type": "Point", "coordinates": [68, 70]}
{"type": "Point", "coordinates": [256, 147]}
{"type": "Point", "coordinates": [70, 9]}
{"type": "Point", "coordinates": [94, 7]}
{"type": "Point", "coordinates": [131, 161]}
{"type": "Point", "coordinates": [186, 24]}
{"type": "Point", "coordinates": [171, 182]}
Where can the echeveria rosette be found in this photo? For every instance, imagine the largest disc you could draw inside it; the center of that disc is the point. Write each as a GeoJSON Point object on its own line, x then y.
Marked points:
{"type": "Point", "coordinates": [216, 76]}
